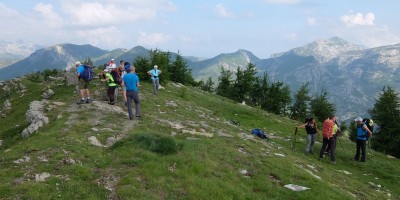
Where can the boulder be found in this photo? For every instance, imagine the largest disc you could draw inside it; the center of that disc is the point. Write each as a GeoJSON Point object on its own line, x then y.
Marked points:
{"type": "Point", "coordinates": [71, 77]}
{"type": "Point", "coordinates": [36, 117]}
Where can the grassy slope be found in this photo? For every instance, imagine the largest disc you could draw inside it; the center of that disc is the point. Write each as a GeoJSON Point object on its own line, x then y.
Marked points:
{"type": "Point", "coordinates": [203, 168]}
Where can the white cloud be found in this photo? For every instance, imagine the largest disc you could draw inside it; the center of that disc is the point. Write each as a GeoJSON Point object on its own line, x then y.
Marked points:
{"type": "Point", "coordinates": [312, 21]}
{"type": "Point", "coordinates": [223, 12]}
{"type": "Point", "coordinates": [282, 1]}
{"type": "Point", "coordinates": [358, 19]}
{"type": "Point", "coordinates": [108, 12]}
{"type": "Point", "coordinates": [48, 16]}
{"type": "Point", "coordinates": [153, 38]}
{"type": "Point", "coordinates": [102, 36]}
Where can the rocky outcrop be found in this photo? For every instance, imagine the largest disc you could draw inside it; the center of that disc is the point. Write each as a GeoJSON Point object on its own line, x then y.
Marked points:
{"type": "Point", "coordinates": [71, 77]}
{"type": "Point", "coordinates": [36, 117]}
{"type": "Point", "coordinates": [6, 108]}
{"type": "Point", "coordinates": [48, 94]}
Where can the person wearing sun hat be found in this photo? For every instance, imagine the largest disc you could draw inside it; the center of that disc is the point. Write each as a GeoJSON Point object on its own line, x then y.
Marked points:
{"type": "Point", "coordinates": [362, 133]}
{"type": "Point", "coordinates": [154, 73]}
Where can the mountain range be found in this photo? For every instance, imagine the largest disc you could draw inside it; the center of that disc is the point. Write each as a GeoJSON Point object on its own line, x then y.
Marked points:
{"type": "Point", "coordinates": [352, 75]}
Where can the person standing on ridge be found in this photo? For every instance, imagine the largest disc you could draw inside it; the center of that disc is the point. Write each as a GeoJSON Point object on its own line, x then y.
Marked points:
{"type": "Point", "coordinates": [83, 84]}
{"type": "Point", "coordinates": [154, 73]}
{"type": "Point", "coordinates": [311, 129]}
{"type": "Point", "coordinates": [362, 134]}
{"type": "Point", "coordinates": [131, 81]}
{"type": "Point", "coordinates": [111, 86]}
{"type": "Point", "coordinates": [328, 139]}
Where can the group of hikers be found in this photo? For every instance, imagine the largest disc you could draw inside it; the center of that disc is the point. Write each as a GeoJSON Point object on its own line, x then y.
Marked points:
{"type": "Point", "coordinates": [123, 76]}
{"type": "Point", "coordinates": [331, 132]}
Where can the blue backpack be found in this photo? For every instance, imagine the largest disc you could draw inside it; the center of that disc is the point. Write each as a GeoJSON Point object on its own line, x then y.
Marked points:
{"type": "Point", "coordinates": [87, 73]}
{"type": "Point", "coordinates": [259, 133]}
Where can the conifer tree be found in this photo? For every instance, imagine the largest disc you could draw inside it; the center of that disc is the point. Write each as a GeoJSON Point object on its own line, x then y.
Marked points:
{"type": "Point", "coordinates": [321, 108]}
{"type": "Point", "coordinates": [208, 85]}
{"type": "Point", "coordinates": [162, 60]}
{"type": "Point", "coordinates": [142, 66]}
{"type": "Point", "coordinates": [386, 113]}
{"type": "Point", "coordinates": [180, 72]}
{"type": "Point", "coordinates": [278, 99]}
{"type": "Point", "coordinates": [224, 87]}
{"type": "Point", "coordinates": [300, 108]}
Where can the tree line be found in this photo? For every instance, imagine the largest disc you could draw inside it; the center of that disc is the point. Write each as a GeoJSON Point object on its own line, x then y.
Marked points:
{"type": "Point", "coordinates": [244, 84]}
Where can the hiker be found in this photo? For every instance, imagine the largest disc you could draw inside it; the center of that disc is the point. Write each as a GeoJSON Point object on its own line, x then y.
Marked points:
{"type": "Point", "coordinates": [123, 73]}
{"type": "Point", "coordinates": [311, 129]}
{"type": "Point", "coordinates": [111, 64]}
{"type": "Point", "coordinates": [335, 132]}
{"type": "Point", "coordinates": [154, 73]}
{"type": "Point", "coordinates": [327, 130]}
{"type": "Point", "coordinates": [362, 134]}
{"type": "Point", "coordinates": [83, 84]}
{"type": "Point", "coordinates": [131, 81]}
{"type": "Point", "coordinates": [111, 86]}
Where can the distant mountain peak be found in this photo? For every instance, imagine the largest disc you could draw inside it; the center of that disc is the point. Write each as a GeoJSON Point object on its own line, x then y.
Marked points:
{"type": "Point", "coordinates": [325, 50]}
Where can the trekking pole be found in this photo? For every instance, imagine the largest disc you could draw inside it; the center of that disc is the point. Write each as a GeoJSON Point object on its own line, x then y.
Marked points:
{"type": "Point", "coordinates": [294, 139]}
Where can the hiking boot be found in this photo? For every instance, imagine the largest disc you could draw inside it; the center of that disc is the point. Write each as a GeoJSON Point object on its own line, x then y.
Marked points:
{"type": "Point", "coordinates": [126, 103]}
{"type": "Point", "coordinates": [88, 100]}
{"type": "Point", "coordinates": [111, 103]}
{"type": "Point", "coordinates": [333, 162]}
{"type": "Point", "coordinates": [82, 101]}
{"type": "Point", "coordinates": [138, 116]}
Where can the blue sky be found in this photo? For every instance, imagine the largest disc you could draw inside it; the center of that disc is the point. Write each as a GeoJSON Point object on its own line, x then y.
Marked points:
{"type": "Point", "coordinates": [200, 28]}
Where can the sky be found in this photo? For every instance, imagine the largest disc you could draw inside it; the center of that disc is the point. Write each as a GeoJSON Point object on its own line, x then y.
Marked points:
{"type": "Point", "coordinates": [204, 28]}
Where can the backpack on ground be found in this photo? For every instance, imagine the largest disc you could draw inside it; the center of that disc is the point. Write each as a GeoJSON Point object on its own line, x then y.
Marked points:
{"type": "Point", "coordinates": [87, 73]}
{"type": "Point", "coordinates": [259, 133]}
{"type": "Point", "coordinates": [116, 76]}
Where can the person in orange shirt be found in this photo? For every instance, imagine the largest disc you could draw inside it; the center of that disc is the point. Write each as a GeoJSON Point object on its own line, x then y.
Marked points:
{"type": "Point", "coordinates": [328, 138]}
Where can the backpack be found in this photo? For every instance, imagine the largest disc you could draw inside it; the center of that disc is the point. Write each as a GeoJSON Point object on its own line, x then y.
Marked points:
{"type": "Point", "coordinates": [116, 76]}
{"type": "Point", "coordinates": [369, 123]}
{"type": "Point", "coordinates": [87, 73]}
{"type": "Point", "coordinates": [259, 133]}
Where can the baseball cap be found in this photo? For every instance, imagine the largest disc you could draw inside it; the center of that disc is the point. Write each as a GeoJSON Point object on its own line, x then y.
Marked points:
{"type": "Point", "coordinates": [155, 66]}
{"type": "Point", "coordinates": [77, 63]}
{"type": "Point", "coordinates": [358, 119]}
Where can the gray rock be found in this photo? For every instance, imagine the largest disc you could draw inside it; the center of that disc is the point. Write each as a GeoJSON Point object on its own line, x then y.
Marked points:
{"type": "Point", "coordinates": [6, 106]}
{"type": "Point", "coordinates": [111, 141]}
{"type": "Point", "coordinates": [42, 177]}
{"type": "Point", "coordinates": [48, 94]}
{"type": "Point", "coordinates": [71, 76]}
{"type": "Point", "coordinates": [296, 188]}
{"type": "Point", "coordinates": [36, 117]}
{"type": "Point", "coordinates": [94, 141]}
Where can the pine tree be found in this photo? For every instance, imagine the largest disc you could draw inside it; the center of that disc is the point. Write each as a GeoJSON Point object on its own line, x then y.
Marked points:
{"type": "Point", "coordinates": [321, 108]}
{"type": "Point", "coordinates": [208, 85]}
{"type": "Point", "coordinates": [278, 99]}
{"type": "Point", "coordinates": [180, 72]}
{"type": "Point", "coordinates": [224, 87]}
{"type": "Point", "coordinates": [162, 60]}
{"type": "Point", "coordinates": [386, 113]}
{"type": "Point", "coordinates": [300, 108]}
{"type": "Point", "coordinates": [142, 66]}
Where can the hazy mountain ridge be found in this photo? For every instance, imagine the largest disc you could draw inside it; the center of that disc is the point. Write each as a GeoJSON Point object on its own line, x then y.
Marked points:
{"type": "Point", "coordinates": [352, 75]}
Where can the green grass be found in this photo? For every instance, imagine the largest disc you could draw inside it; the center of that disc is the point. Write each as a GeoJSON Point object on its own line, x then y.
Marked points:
{"type": "Point", "coordinates": [154, 160]}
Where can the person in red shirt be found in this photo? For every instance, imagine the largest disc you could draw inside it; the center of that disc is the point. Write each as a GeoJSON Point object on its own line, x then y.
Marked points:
{"type": "Point", "coordinates": [327, 131]}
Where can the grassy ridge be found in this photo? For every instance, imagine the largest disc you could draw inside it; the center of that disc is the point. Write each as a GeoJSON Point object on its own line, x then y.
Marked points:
{"type": "Point", "coordinates": [194, 167]}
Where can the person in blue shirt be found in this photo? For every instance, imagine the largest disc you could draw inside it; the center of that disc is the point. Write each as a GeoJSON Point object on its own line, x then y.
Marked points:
{"type": "Point", "coordinates": [155, 73]}
{"type": "Point", "coordinates": [83, 84]}
{"type": "Point", "coordinates": [362, 134]}
{"type": "Point", "coordinates": [131, 81]}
